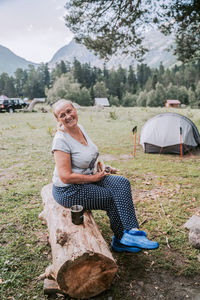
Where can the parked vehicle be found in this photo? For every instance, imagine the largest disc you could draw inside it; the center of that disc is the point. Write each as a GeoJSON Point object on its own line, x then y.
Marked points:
{"type": "Point", "coordinates": [7, 105]}
{"type": "Point", "coordinates": [10, 105]}
{"type": "Point", "coordinates": [18, 103]}
{"type": "Point", "coordinates": [23, 103]}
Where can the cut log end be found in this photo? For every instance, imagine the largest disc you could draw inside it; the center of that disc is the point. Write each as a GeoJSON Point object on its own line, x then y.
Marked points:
{"type": "Point", "coordinates": [87, 276]}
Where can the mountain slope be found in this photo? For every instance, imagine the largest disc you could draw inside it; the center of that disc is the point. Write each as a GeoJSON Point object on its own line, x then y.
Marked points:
{"type": "Point", "coordinates": [156, 42]}
{"type": "Point", "coordinates": [9, 61]}
{"type": "Point", "coordinates": [73, 49]}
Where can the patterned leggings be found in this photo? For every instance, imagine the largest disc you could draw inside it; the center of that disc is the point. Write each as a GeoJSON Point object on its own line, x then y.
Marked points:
{"type": "Point", "coordinates": [112, 194]}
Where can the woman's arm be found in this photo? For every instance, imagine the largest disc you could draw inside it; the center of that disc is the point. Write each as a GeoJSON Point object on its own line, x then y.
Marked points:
{"type": "Point", "coordinates": [63, 165]}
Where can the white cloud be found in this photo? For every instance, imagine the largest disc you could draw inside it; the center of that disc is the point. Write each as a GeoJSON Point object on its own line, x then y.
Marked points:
{"type": "Point", "coordinates": [30, 27]}
{"type": "Point", "coordinates": [59, 7]}
{"type": "Point", "coordinates": [61, 18]}
{"type": "Point", "coordinates": [33, 29]}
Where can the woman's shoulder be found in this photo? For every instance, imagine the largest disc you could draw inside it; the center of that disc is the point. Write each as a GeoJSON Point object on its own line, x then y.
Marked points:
{"type": "Point", "coordinates": [61, 142]}
{"type": "Point", "coordinates": [60, 136]}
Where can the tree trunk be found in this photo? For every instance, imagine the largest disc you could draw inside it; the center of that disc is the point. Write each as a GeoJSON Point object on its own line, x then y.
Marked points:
{"type": "Point", "coordinates": [33, 103]}
{"type": "Point", "coordinates": [83, 265]}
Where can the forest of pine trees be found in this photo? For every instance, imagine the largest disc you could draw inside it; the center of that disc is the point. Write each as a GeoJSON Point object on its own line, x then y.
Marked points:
{"type": "Point", "coordinates": [81, 83]}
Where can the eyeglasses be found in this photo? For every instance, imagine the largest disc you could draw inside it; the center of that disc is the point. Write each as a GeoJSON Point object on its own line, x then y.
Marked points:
{"type": "Point", "coordinates": [64, 114]}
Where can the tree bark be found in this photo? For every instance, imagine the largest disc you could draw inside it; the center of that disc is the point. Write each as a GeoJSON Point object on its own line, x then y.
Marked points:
{"type": "Point", "coordinates": [83, 265]}
{"type": "Point", "coordinates": [33, 103]}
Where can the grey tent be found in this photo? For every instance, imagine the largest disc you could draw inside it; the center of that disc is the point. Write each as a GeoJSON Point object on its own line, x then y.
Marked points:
{"type": "Point", "coordinates": [161, 134]}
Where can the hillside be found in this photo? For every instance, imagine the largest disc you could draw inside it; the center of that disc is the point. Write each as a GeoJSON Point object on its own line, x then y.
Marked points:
{"type": "Point", "coordinates": [9, 61]}
{"type": "Point", "coordinates": [155, 42]}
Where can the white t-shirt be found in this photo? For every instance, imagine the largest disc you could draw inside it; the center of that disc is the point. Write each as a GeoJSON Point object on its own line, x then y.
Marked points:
{"type": "Point", "coordinates": [83, 157]}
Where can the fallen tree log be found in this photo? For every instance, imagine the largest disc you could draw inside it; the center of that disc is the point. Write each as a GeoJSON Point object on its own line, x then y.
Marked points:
{"type": "Point", "coordinates": [33, 103]}
{"type": "Point", "coordinates": [83, 265]}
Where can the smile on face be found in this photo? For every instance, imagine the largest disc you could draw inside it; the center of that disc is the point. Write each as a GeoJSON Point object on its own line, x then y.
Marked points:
{"type": "Point", "coordinates": [67, 115]}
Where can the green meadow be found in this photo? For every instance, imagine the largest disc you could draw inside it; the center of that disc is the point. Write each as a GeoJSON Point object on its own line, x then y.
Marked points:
{"type": "Point", "coordinates": [166, 194]}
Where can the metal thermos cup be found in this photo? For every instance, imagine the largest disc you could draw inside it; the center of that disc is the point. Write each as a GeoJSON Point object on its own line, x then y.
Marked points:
{"type": "Point", "coordinates": [77, 214]}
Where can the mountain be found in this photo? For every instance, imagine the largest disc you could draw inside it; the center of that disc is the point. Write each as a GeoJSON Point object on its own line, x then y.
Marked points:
{"type": "Point", "coordinates": [156, 42]}
{"type": "Point", "coordinates": [9, 61]}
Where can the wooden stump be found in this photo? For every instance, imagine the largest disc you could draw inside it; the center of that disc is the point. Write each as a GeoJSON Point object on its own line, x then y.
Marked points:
{"type": "Point", "coordinates": [83, 265]}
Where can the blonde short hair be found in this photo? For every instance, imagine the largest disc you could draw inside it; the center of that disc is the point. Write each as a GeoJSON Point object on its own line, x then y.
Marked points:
{"type": "Point", "coordinates": [59, 103]}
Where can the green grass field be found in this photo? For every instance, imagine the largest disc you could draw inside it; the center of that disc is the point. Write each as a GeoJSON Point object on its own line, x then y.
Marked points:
{"type": "Point", "coordinates": [166, 193]}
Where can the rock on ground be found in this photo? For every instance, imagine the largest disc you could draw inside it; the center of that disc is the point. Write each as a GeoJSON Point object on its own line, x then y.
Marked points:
{"type": "Point", "coordinates": [193, 222]}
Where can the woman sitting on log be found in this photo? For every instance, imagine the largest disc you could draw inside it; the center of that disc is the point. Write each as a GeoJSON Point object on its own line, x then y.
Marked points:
{"type": "Point", "coordinates": [74, 181]}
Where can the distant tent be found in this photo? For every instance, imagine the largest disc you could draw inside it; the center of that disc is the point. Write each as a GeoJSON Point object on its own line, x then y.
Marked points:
{"type": "Point", "coordinates": [161, 134]}
{"type": "Point", "coordinates": [101, 101]}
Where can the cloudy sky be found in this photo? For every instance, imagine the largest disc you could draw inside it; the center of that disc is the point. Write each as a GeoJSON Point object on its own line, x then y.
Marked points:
{"type": "Point", "coordinates": [33, 29]}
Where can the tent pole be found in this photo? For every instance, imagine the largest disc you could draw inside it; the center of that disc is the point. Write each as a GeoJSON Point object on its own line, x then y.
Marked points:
{"type": "Point", "coordinates": [135, 145]}
{"type": "Point", "coordinates": [134, 131]}
{"type": "Point", "coordinates": [181, 143]}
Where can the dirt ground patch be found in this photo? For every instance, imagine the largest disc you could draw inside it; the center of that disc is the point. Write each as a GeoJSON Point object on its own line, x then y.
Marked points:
{"type": "Point", "coordinates": [157, 284]}
{"type": "Point", "coordinates": [9, 173]}
{"type": "Point", "coordinates": [110, 157]}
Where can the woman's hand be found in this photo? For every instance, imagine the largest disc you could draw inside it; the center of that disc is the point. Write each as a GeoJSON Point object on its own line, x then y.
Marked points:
{"type": "Point", "coordinates": [111, 170]}
{"type": "Point", "coordinates": [99, 175]}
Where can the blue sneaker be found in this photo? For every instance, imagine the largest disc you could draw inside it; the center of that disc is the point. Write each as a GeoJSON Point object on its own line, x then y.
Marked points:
{"type": "Point", "coordinates": [118, 247]}
{"type": "Point", "coordinates": [137, 239]}
{"type": "Point", "coordinates": [139, 232]}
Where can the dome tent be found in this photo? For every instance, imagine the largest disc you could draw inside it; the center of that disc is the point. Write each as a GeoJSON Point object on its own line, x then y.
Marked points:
{"type": "Point", "coordinates": [161, 134]}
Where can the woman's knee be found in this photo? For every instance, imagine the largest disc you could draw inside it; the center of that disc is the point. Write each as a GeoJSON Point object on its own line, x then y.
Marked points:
{"type": "Point", "coordinates": [117, 180]}
{"type": "Point", "coordinates": [123, 179]}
